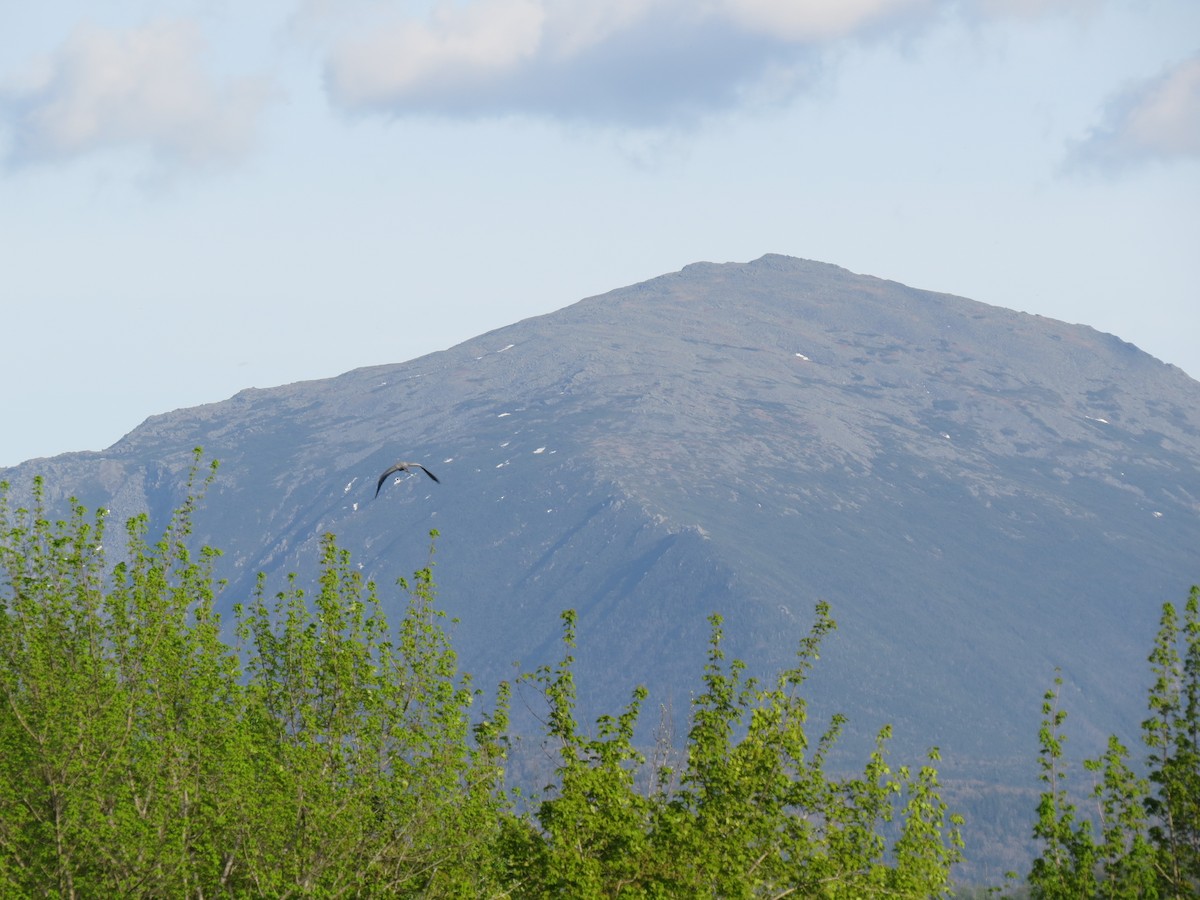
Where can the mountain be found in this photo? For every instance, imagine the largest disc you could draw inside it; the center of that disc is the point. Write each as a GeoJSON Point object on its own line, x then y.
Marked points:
{"type": "Point", "coordinates": [982, 496]}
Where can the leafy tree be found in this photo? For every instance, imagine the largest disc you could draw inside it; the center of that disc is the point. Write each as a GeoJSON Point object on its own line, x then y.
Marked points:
{"type": "Point", "coordinates": [373, 776]}
{"type": "Point", "coordinates": [754, 813]}
{"type": "Point", "coordinates": [1066, 868]}
{"type": "Point", "coordinates": [328, 752]}
{"type": "Point", "coordinates": [116, 705]}
{"type": "Point", "coordinates": [592, 839]}
{"type": "Point", "coordinates": [1126, 856]}
{"type": "Point", "coordinates": [1149, 828]}
{"type": "Point", "coordinates": [1172, 734]}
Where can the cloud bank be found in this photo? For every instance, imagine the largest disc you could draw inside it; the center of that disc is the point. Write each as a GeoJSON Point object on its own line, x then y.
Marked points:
{"type": "Point", "coordinates": [1158, 119]}
{"type": "Point", "coordinates": [625, 63]}
{"type": "Point", "coordinates": [632, 62]}
{"type": "Point", "coordinates": [1032, 8]}
{"type": "Point", "coordinates": [142, 87]}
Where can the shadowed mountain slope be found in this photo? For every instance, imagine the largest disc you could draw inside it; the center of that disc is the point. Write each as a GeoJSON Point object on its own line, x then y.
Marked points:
{"type": "Point", "coordinates": [981, 494]}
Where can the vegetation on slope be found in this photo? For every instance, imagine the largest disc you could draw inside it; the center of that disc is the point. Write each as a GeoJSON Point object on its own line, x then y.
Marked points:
{"type": "Point", "coordinates": [313, 747]}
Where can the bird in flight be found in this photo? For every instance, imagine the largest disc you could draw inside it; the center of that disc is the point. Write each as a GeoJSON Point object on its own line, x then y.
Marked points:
{"type": "Point", "coordinates": [402, 467]}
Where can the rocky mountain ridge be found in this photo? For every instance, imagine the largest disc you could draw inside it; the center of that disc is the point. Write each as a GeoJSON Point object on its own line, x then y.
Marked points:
{"type": "Point", "coordinates": [982, 495]}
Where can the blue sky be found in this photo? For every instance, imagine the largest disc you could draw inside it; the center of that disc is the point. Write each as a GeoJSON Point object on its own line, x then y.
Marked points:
{"type": "Point", "coordinates": [198, 197]}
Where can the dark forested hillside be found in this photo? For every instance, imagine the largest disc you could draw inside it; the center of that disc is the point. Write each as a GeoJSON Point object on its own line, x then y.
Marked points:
{"type": "Point", "coordinates": [981, 495]}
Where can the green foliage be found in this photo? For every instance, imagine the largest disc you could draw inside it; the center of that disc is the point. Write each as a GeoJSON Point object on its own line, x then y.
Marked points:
{"type": "Point", "coordinates": [1148, 841]}
{"type": "Point", "coordinates": [325, 751]}
{"type": "Point", "coordinates": [1126, 856]}
{"type": "Point", "coordinates": [754, 813]}
{"type": "Point", "coordinates": [138, 758]}
{"type": "Point", "coordinates": [1066, 868]}
{"type": "Point", "coordinates": [114, 710]}
{"type": "Point", "coordinates": [592, 839]}
{"type": "Point", "coordinates": [1172, 734]}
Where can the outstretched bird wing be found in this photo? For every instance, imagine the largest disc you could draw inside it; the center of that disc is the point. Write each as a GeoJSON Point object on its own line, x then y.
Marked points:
{"type": "Point", "coordinates": [383, 477]}
{"type": "Point", "coordinates": [402, 467]}
{"type": "Point", "coordinates": [426, 471]}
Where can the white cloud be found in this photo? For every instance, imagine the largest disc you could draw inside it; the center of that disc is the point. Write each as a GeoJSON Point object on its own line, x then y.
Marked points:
{"type": "Point", "coordinates": [1157, 119]}
{"type": "Point", "coordinates": [1032, 8]}
{"type": "Point", "coordinates": [143, 87]}
{"type": "Point", "coordinates": [808, 20]}
{"type": "Point", "coordinates": [624, 61]}
{"type": "Point", "coordinates": [572, 28]}
{"type": "Point", "coordinates": [463, 44]}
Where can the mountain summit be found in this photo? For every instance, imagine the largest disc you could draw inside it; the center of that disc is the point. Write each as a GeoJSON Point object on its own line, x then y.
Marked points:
{"type": "Point", "coordinates": [982, 495]}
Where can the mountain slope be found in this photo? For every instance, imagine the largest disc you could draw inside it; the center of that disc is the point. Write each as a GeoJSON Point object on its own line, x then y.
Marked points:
{"type": "Point", "coordinates": [982, 495]}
